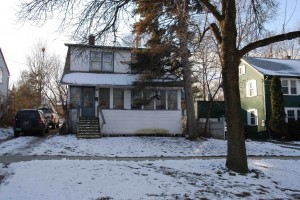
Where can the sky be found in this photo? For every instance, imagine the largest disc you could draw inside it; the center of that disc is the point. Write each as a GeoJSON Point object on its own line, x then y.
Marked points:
{"type": "Point", "coordinates": [16, 40]}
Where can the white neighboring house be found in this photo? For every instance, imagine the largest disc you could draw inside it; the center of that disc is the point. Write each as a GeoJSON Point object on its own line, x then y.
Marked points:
{"type": "Point", "coordinates": [100, 84]}
{"type": "Point", "coordinates": [4, 81]}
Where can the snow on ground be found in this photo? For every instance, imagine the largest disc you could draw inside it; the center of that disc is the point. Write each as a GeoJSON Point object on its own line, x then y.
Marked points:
{"type": "Point", "coordinates": [137, 147]}
{"type": "Point", "coordinates": [5, 133]}
{"type": "Point", "coordinates": [175, 179]}
{"type": "Point", "coordinates": [156, 179]}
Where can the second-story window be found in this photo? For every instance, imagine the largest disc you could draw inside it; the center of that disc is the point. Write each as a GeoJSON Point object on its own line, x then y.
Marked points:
{"type": "Point", "coordinates": [251, 88]}
{"type": "Point", "coordinates": [101, 61]}
{"type": "Point", "coordinates": [289, 87]}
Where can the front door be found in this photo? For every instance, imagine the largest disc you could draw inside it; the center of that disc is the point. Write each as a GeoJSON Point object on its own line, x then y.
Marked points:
{"type": "Point", "coordinates": [88, 101]}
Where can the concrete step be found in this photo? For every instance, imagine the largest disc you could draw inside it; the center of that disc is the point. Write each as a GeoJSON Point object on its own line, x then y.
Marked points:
{"type": "Point", "coordinates": [89, 128]}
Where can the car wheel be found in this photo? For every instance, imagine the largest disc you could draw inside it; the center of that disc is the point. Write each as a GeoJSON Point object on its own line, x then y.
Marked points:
{"type": "Point", "coordinates": [16, 134]}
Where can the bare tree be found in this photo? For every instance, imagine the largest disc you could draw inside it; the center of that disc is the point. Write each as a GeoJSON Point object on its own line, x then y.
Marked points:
{"type": "Point", "coordinates": [207, 72]}
{"type": "Point", "coordinates": [225, 31]}
{"type": "Point", "coordinates": [100, 16]}
{"type": "Point", "coordinates": [104, 19]}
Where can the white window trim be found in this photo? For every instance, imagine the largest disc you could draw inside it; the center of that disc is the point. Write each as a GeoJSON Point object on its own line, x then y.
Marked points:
{"type": "Point", "coordinates": [248, 83]}
{"type": "Point", "coordinates": [249, 117]}
{"type": "Point", "coordinates": [101, 62]}
{"type": "Point", "coordinates": [242, 69]}
{"type": "Point", "coordinates": [289, 86]}
{"type": "Point", "coordinates": [295, 109]}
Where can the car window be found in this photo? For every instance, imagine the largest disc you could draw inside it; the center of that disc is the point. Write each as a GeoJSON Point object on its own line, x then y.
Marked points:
{"type": "Point", "coordinates": [27, 114]}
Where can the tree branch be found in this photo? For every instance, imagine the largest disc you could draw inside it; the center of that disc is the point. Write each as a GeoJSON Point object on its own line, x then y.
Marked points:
{"type": "Point", "coordinates": [213, 10]}
{"type": "Point", "coordinates": [216, 32]}
{"type": "Point", "coordinates": [267, 41]}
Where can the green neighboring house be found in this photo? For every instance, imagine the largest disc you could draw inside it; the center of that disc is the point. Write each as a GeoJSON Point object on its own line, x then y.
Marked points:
{"type": "Point", "coordinates": [254, 82]}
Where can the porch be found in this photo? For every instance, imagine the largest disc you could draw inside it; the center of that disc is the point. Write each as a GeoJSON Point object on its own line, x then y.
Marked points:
{"type": "Point", "coordinates": [134, 122]}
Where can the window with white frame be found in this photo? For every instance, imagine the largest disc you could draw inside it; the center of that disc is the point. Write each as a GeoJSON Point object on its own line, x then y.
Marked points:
{"type": "Point", "coordinates": [136, 99]}
{"type": "Point", "coordinates": [289, 86]}
{"type": "Point", "coordinates": [242, 69]}
{"type": "Point", "coordinates": [161, 100]}
{"type": "Point", "coordinates": [251, 89]}
{"type": "Point", "coordinates": [154, 100]}
{"type": "Point", "coordinates": [118, 98]}
{"type": "Point", "coordinates": [292, 114]}
{"type": "Point", "coordinates": [101, 61]}
{"type": "Point", "coordinates": [252, 117]}
{"type": "Point", "coordinates": [172, 99]}
{"type": "Point", "coordinates": [1, 75]}
{"type": "Point", "coordinates": [149, 100]}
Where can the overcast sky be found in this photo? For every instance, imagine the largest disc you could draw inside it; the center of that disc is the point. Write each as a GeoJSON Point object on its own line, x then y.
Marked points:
{"type": "Point", "coordinates": [17, 40]}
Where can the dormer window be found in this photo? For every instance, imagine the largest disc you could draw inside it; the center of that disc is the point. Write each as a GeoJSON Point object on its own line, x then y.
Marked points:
{"type": "Point", "coordinates": [101, 61]}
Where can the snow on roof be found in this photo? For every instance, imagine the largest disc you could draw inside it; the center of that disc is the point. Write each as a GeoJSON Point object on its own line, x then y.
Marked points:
{"type": "Point", "coordinates": [81, 78]}
{"type": "Point", "coordinates": [275, 67]}
{"type": "Point", "coordinates": [97, 79]}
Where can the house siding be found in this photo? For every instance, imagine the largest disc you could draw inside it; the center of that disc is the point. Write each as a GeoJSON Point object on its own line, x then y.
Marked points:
{"type": "Point", "coordinates": [5, 77]}
{"type": "Point", "coordinates": [254, 102]}
{"type": "Point", "coordinates": [133, 121]}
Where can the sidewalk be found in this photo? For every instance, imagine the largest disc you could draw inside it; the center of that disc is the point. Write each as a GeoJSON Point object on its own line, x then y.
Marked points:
{"type": "Point", "coordinates": [21, 158]}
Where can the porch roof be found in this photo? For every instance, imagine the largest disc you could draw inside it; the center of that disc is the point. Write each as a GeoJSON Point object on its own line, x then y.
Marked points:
{"type": "Point", "coordinates": [81, 78]}
{"type": "Point", "coordinates": [98, 79]}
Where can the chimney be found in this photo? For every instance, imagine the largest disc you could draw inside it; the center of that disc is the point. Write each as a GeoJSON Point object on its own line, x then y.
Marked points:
{"type": "Point", "coordinates": [91, 40]}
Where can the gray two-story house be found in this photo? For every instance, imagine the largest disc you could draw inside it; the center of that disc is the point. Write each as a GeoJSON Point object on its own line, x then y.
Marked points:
{"type": "Point", "coordinates": [4, 81]}
{"type": "Point", "coordinates": [254, 81]}
{"type": "Point", "coordinates": [101, 86]}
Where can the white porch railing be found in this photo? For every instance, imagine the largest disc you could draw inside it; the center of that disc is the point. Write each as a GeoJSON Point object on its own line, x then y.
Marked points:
{"type": "Point", "coordinates": [101, 117]}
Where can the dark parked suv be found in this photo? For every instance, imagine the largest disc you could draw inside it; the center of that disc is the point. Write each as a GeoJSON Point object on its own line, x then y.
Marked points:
{"type": "Point", "coordinates": [30, 121]}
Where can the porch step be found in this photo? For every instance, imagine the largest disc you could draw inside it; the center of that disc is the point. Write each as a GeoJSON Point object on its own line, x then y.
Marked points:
{"type": "Point", "coordinates": [88, 127]}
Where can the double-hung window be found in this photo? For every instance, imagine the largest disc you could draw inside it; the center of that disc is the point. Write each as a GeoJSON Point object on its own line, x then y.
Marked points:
{"type": "Point", "coordinates": [289, 86]}
{"type": "Point", "coordinates": [292, 114]}
{"type": "Point", "coordinates": [101, 61]}
{"type": "Point", "coordinates": [172, 99]}
{"type": "Point", "coordinates": [118, 98]}
{"type": "Point", "coordinates": [136, 99]}
{"type": "Point", "coordinates": [251, 89]}
{"type": "Point", "coordinates": [252, 117]}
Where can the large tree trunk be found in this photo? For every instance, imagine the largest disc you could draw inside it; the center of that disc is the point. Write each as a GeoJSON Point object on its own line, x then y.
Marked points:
{"type": "Point", "coordinates": [187, 73]}
{"type": "Point", "coordinates": [230, 59]}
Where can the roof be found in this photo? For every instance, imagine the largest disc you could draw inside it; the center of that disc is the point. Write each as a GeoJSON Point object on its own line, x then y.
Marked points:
{"type": "Point", "coordinates": [81, 78]}
{"type": "Point", "coordinates": [1, 54]}
{"type": "Point", "coordinates": [99, 79]}
{"type": "Point", "coordinates": [98, 46]}
{"type": "Point", "coordinates": [275, 67]}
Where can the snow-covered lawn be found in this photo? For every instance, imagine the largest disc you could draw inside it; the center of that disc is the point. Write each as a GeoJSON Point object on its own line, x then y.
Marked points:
{"type": "Point", "coordinates": [156, 179]}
